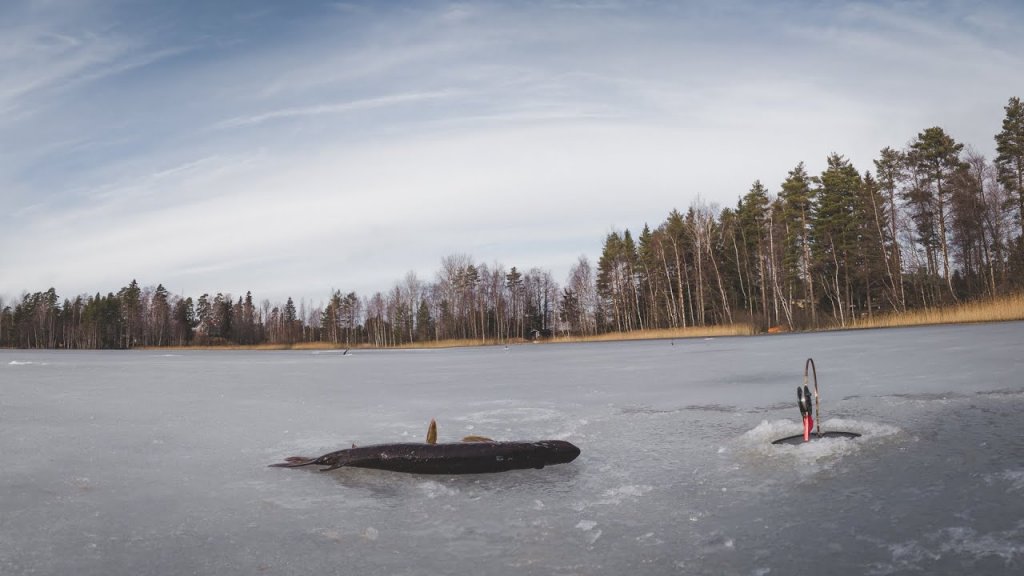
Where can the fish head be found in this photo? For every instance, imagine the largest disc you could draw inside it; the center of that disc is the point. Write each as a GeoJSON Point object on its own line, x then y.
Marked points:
{"type": "Point", "coordinates": [558, 451]}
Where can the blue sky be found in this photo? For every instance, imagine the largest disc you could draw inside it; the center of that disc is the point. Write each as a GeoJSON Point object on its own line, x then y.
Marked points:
{"type": "Point", "coordinates": [293, 148]}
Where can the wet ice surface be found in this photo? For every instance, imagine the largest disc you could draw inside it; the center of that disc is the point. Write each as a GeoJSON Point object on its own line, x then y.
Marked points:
{"type": "Point", "coordinates": [152, 463]}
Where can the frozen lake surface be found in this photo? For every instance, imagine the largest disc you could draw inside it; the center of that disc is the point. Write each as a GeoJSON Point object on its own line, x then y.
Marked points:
{"type": "Point", "coordinates": [147, 462]}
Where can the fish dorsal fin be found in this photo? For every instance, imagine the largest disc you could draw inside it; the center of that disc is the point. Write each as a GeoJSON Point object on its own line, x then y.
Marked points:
{"type": "Point", "coordinates": [432, 432]}
{"type": "Point", "coordinates": [474, 438]}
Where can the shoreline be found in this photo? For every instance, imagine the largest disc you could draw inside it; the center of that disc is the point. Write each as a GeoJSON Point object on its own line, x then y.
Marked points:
{"type": "Point", "coordinates": [1005, 309]}
{"type": "Point", "coordinates": [609, 337]}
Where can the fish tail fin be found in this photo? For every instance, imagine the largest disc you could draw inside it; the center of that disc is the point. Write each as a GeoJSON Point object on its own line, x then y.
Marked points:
{"type": "Point", "coordinates": [294, 462]}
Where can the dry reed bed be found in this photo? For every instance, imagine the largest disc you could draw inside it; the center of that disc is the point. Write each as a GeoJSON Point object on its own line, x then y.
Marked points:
{"type": "Point", "coordinates": [661, 334]}
{"type": "Point", "coordinates": [1001, 309]}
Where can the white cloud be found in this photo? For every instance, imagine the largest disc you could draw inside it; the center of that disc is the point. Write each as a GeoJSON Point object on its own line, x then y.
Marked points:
{"type": "Point", "coordinates": [334, 108]}
{"type": "Point", "coordinates": [373, 141]}
{"type": "Point", "coordinates": [33, 59]}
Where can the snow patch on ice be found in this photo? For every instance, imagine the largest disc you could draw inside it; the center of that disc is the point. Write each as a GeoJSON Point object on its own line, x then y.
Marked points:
{"type": "Point", "coordinates": [313, 445]}
{"type": "Point", "coordinates": [914, 555]}
{"type": "Point", "coordinates": [516, 414]}
{"type": "Point", "coordinates": [767, 431]}
{"type": "Point", "coordinates": [82, 483]}
{"type": "Point", "coordinates": [1014, 478]}
{"type": "Point", "coordinates": [716, 541]}
{"type": "Point", "coordinates": [292, 502]}
{"type": "Point", "coordinates": [616, 496]}
{"type": "Point", "coordinates": [1005, 544]}
{"type": "Point", "coordinates": [542, 423]}
{"type": "Point", "coordinates": [812, 457]}
{"type": "Point", "coordinates": [586, 525]}
{"type": "Point", "coordinates": [434, 489]}
{"type": "Point", "coordinates": [649, 539]}
{"type": "Point", "coordinates": [26, 363]}
{"type": "Point", "coordinates": [332, 535]}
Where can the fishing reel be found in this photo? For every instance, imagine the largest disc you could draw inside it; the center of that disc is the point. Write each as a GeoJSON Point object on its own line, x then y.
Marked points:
{"type": "Point", "coordinates": [803, 400]}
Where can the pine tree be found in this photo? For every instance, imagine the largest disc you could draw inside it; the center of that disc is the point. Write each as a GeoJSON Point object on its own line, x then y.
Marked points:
{"type": "Point", "coordinates": [184, 321]}
{"type": "Point", "coordinates": [160, 311]}
{"type": "Point", "coordinates": [936, 156]}
{"type": "Point", "coordinates": [631, 259]}
{"type": "Point", "coordinates": [514, 285]}
{"type": "Point", "coordinates": [131, 313]}
{"type": "Point", "coordinates": [874, 247]}
{"type": "Point", "coordinates": [890, 171]}
{"type": "Point", "coordinates": [797, 198]}
{"type": "Point", "coordinates": [967, 230]}
{"type": "Point", "coordinates": [581, 284]}
{"type": "Point", "coordinates": [204, 314]}
{"type": "Point", "coordinates": [291, 322]}
{"type": "Point", "coordinates": [244, 320]}
{"type": "Point", "coordinates": [616, 284]}
{"type": "Point", "coordinates": [330, 321]}
{"type": "Point", "coordinates": [980, 224]}
{"type": "Point", "coordinates": [649, 285]}
{"type": "Point", "coordinates": [677, 269]}
{"type": "Point", "coordinates": [1010, 154]}
{"type": "Point", "coordinates": [424, 323]}
{"type": "Point", "coordinates": [752, 216]}
{"type": "Point", "coordinates": [835, 233]}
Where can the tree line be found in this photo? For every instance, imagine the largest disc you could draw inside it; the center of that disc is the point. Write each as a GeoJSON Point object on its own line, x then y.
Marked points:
{"type": "Point", "coordinates": [933, 223]}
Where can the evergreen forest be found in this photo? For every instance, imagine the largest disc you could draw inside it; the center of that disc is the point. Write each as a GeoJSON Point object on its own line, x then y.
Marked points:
{"type": "Point", "coordinates": [931, 224]}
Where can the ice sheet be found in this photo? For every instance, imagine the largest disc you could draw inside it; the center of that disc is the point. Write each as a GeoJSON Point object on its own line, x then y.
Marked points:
{"type": "Point", "coordinates": [152, 463]}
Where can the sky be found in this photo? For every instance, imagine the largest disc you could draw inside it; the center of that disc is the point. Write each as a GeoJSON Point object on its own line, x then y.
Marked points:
{"type": "Point", "coordinates": [297, 148]}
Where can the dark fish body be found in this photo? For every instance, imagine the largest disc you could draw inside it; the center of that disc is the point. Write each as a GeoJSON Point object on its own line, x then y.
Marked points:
{"type": "Point", "coordinates": [447, 458]}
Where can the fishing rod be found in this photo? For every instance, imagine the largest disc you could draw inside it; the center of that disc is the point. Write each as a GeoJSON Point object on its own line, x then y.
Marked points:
{"type": "Point", "coordinates": [803, 398]}
{"type": "Point", "coordinates": [808, 413]}
{"type": "Point", "coordinates": [817, 397]}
